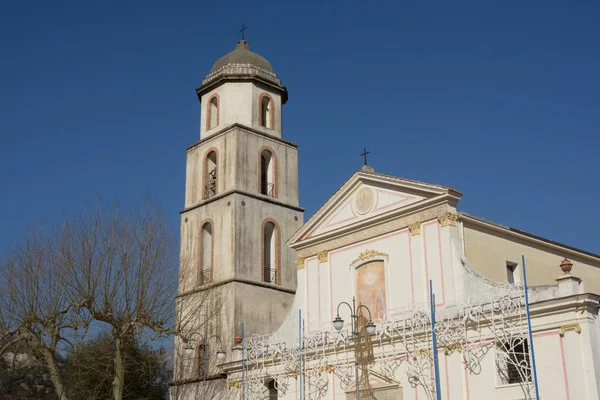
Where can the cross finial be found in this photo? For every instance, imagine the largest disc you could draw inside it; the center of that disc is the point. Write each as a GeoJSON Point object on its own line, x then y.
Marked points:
{"type": "Point", "coordinates": [364, 154]}
{"type": "Point", "coordinates": [244, 27]}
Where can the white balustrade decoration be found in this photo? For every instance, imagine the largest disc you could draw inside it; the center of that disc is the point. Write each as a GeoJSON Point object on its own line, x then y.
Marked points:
{"type": "Point", "coordinates": [495, 318]}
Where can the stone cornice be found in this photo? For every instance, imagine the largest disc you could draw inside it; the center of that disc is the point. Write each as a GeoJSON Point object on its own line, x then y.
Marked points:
{"type": "Point", "coordinates": [253, 74]}
{"type": "Point", "coordinates": [362, 232]}
{"type": "Point", "coordinates": [198, 380]}
{"type": "Point", "coordinates": [249, 129]}
{"type": "Point", "coordinates": [237, 280]}
{"type": "Point", "coordinates": [256, 196]}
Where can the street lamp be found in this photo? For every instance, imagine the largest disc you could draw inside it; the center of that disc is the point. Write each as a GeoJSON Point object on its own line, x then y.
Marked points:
{"type": "Point", "coordinates": [338, 324]}
{"type": "Point", "coordinates": [189, 352]}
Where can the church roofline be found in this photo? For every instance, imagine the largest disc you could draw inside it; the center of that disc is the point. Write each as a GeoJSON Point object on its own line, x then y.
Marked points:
{"type": "Point", "coordinates": [528, 236]}
{"type": "Point", "coordinates": [238, 125]}
{"type": "Point", "coordinates": [442, 194]}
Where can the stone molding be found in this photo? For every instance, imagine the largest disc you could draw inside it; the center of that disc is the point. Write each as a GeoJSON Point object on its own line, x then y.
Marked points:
{"type": "Point", "coordinates": [570, 327]}
{"type": "Point", "coordinates": [415, 229]}
{"type": "Point", "coordinates": [448, 219]}
{"type": "Point", "coordinates": [300, 262]}
{"type": "Point", "coordinates": [323, 256]}
{"type": "Point", "coordinates": [374, 231]}
{"type": "Point", "coordinates": [367, 254]}
{"type": "Point", "coordinates": [241, 69]}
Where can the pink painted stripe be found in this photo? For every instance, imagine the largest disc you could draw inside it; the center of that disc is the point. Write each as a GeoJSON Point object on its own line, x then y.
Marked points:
{"type": "Point", "coordinates": [447, 377]}
{"type": "Point", "coordinates": [330, 286]}
{"type": "Point", "coordinates": [441, 263]}
{"type": "Point", "coordinates": [307, 292]}
{"type": "Point", "coordinates": [410, 262]}
{"type": "Point", "coordinates": [564, 367]}
{"type": "Point", "coordinates": [319, 290]}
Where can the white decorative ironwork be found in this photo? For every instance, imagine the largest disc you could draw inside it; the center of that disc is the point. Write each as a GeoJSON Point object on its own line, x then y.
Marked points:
{"type": "Point", "coordinates": [493, 319]}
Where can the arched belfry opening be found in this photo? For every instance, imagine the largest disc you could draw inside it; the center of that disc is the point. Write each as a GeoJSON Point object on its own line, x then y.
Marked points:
{"type": "Point", "coordinates": [270, 259]}
{"type": "Point", "coordinates": [210, 175]}
{"type": "Point", "coordinates": [206, 253]}
{"type": "Point", "coordinates": [267, 173]}
{"type": "Point", "coordinates": [266, 116]}
{"type": "Point", "coordinates": [212, 119]}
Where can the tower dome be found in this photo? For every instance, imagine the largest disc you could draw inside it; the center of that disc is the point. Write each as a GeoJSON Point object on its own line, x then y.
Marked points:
{"type": "Point", "coordinates": [242, 55]}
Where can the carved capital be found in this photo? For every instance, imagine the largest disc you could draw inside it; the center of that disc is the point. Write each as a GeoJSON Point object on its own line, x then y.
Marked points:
{"type": "Point", "coordinates": [300, 262]}
{"type": "Point", "coordinates": [570, 327]}
{"type": "Point", "coordinates": [365, 255]}
{"type": "Point", "coordinates": [448, 219]}
{"type": "Point", "coordinates": [452, 348]}
{"type": "Point", "coordinates": [233, 384]}
{"type": "Point", "coordinates": [415, 228]}
{"type": "Point", "coordinates": [323, 256]}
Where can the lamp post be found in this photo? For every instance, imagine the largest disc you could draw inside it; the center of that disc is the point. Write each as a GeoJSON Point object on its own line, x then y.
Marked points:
{"type": "Point", "coordinates": [338, 324]}
{"type": "Point", "coordinates": [189, 352]}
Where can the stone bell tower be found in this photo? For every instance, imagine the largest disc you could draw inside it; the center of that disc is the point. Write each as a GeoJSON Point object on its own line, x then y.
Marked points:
{"type": "Point", "coordinates": [241, 201]}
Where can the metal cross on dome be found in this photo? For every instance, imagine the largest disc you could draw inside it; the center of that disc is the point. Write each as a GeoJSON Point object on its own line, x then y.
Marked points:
{"type": "Point", "coordinates": [242, 30]}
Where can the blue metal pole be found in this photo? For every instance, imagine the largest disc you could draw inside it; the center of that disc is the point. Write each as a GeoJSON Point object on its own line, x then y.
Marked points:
{"type": "Point", "coordinates": [243, 364]}
{"type": "Point", "coordinates": [535, 380]}
{"type": "Point", "coordinates": [300, 347]}
{"type": "Point", "coordinates": [438, 393]}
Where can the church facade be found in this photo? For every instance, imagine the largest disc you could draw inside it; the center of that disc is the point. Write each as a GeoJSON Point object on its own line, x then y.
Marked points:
{"type": "Point", "coordinates": [387, 292]}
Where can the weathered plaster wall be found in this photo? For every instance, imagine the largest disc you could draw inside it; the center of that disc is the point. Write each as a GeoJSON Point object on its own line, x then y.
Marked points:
{"type": "Point", "coordinates": [489, 250]}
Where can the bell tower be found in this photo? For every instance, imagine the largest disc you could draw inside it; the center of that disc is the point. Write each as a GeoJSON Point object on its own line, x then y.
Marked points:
{"type": "Point", "coordinates": [241, 202]}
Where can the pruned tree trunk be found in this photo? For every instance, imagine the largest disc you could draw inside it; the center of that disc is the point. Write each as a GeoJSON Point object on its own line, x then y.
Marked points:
{"type": "Point", "coordinates": [54, 374]}
{"type": "Point", "coordinates": [119, 380]}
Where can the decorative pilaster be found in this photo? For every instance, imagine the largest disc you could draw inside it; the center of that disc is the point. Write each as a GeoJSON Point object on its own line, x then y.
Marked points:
{"type": "Point", "coordinates": [448, 219]}
{"type": "Point", "coordinates": [323, 256]}
{"type": "Point", "coordinates": [415, 229]}
{"type": "Point", "coordinates": [300, 262]}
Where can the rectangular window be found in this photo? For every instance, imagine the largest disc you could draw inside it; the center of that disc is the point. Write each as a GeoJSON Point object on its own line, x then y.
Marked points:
{"type": "Point", "coordinates": [511, 272]}
{"type": "Point", "coordinates": [512, 361]}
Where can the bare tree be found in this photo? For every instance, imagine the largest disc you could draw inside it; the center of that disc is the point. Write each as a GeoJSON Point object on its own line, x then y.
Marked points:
{"type": "Point", "coordinates": [122, 267]}
{"type": "Point", "coordinates": [36, 313]}
{"type": "Point", "coordinates": [109, 268]}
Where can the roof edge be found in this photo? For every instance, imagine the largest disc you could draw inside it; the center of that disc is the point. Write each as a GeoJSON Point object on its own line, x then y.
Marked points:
{"type": "Point", "coordinates": [529, 236]}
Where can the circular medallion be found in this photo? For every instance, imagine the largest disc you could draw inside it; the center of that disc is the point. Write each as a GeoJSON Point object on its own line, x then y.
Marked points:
{"type": "Point", "coordinates": [364, 200]}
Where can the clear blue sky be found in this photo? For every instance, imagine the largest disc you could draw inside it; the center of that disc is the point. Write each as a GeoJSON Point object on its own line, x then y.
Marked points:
{"type": "Point", "coordinates": [500, 101]}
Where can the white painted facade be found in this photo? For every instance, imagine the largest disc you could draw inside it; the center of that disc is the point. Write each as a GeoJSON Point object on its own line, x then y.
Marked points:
{"type": "Point", "coordinates": [410, 233]}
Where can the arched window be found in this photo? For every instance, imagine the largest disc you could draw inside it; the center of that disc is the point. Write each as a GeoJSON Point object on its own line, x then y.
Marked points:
{"type": "Point", "coordinates": [266, 115]}
{"type": "Point", "coordinates": [268, 167]}
{"type": "Point", "coordinates": [210, 174]}
{"type": "Point", "coordinates": [206, 253]}
{"type": "Point", "coordinates": [212, 116]}
{"type": "Point", "coordinates": [270, 256]}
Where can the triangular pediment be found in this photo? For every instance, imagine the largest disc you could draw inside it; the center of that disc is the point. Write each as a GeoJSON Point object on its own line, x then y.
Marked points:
{"type": "Point", "coordinates": [368, 196]}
